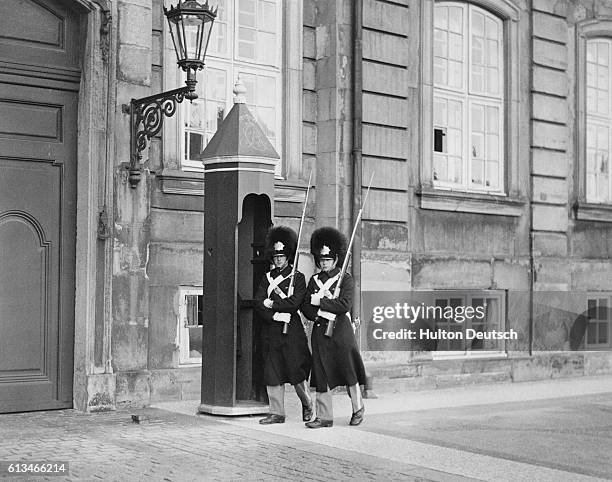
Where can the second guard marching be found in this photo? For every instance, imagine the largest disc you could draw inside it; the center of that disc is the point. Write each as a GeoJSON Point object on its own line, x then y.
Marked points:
{"type": "Point", "coordinates": [286, 355]}
{"type": "Point", "coordinates": [335, 355]}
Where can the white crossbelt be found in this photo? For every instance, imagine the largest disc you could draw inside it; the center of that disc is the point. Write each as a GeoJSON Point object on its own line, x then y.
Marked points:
{"type": "Point", "coordinates": [326, 289]}
{"type": "Point", "coordinates": [274, 285]}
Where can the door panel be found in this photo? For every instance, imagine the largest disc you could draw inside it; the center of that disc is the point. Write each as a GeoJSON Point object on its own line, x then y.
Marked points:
{"type": "Point", "coordinates": [37, 246]}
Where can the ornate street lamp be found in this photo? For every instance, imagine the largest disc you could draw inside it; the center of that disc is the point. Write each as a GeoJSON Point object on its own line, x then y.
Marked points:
{"type": "Point", "coordinates": [190, 26]}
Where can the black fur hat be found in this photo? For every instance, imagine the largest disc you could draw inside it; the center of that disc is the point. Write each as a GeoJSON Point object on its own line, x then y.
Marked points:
{"type": "Point", "coordinates": [328, 243]}
{"type": "Point", "coordinates": [281, 240]}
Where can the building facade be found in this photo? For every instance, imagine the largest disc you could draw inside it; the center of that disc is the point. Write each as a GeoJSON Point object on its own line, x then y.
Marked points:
{"type": "Point", "coordinates": [485, 127]}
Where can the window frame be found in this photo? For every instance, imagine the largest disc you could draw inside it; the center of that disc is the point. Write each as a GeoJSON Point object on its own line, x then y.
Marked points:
{"type": "Point", "coordinates": [594, 295]}
{"type": "Point", "coordinates": [467, 96]}
{"type": "Point", "coordinates": [467, 296]}
{"type": "Point", "coordinates": [182, 332]}
{"type": "Point", "coordinates": [586, 208]}
{"type": "Point", "coordinates": [289, 97]}
{"type": "Point", "coordinates": [508, 15]}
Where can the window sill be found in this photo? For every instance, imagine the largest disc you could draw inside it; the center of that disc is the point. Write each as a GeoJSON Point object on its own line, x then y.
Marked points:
{"type": "Point", "coordinates": [466, 202]}
{"type": "Point", "coordinates": [188, 183]}
{"type": "Point", "coordinates": [466, 355]}
{"type": "Point", "coordinates": [593, 212]}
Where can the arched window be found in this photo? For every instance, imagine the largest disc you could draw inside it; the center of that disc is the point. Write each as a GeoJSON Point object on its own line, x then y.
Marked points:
{"type": "Point", "coordinates": [468, 98]}
{"type": "Point", "coordinates": [598, 120]}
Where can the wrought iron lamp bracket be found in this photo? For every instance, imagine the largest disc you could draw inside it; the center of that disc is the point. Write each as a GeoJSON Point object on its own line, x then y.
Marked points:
{"type": "Point", "coordinates": [146, 120]}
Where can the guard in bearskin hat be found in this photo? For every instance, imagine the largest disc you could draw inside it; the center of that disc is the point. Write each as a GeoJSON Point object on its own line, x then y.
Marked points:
{"type": "Point", "coordinates": [335, 356]}
{"type": "Point", "coordinates": [286, 355]}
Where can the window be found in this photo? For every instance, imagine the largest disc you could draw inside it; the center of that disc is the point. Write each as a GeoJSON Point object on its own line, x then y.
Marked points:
{"type": "Point", "coordinates": [598, 120]}
{"type": "Point", "coordinates": [598, 327]}
{"type": "Point", "coordinates": [468, 98]}
{"type": "Point", "coordinates": [190, 326]}
{"type": "Point", "coordinates": [246, 42]}
{"type": "Point", "coordinates": [490, 303]}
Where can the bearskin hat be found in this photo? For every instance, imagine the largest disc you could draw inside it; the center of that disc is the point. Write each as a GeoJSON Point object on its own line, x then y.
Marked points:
{"type": "Point", "coordinates": [328, 243]}
{"type": "Point", "coordinates": [281, 240]}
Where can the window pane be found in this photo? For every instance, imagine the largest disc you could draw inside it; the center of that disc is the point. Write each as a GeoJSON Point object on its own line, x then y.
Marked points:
{"type": "Point", "coordinates": [478, 23]}
{"type": "Point", "coordinates": [455, 74]}
{"type": "Point", "coordinates": [455, 114]}
{"type": "Point", "coordinates": [492, 81]}
{"type": "Point", "coordinates": [477, 146]}
{"type": "Point", "coordinates": [454, 142]}
{"type": "Point", "coordinates": [441, 18]}
{"type": "Point", "coordinates": [492, 120]}
{"type": "Point", "coordinates": [477, 78]}
{"type": "Point", "coordinates": [477, 118]}
{"type": "Point", "coordinates": [195, 145]}
{"type": "Point", "coordinates": [267, 16]}
{"type": "Point", "coordinates": [477, 171]}
{"type": "Point", "coordinates": [246, 43]}
{"type": "Point", "coordinates": [592, 333]}
{"type": "Point", "coordinates": [440, 168]}
{"type": "Point", "coordinates": [602, 312]}
{"type": "Point", "coordinates": [591, 69]}
{"type": "Point", "coordinates": [492, 147]}
{"type": "Point", "coordinates": [246, 13]}
{"type": "Point", "coordinates": [602, 102]}
{"type": "Point", "coordinates": [455, 167]}
{"type": "Point", "coordinates": [455, 19]}
{"type": "Point", "coordinates": [195, 342]}
{"type": "Point", "coordinates": [440, 43]}
{"type": "Point", "coordinates": [440, 71]}
{"type": "Point", "coordinates": [602, 53]}
{"type": "Point", "coordinates": [266, 91]}
{"type": "Point", "coordinates": [492, 177]}
{"type": "Point", "coordinates": [455, 46]}
{"type": "Point", "coordinates": [267, 48]}
{"type": "Point", "coordinates": [591, 96]}
{"type": "Point", "coordinates": [591, 51]}
{"type": "Point", "coordinates": [267, 120]}
{"type": "Point", "coordinates": [492, 28]}
{"type": "Point", "coordinates": [603, 333]}
{"type": "Point", "coordinates": [477, 51]}
{"type": "Point", "coordinates": [439, 112]}
{"type": "Point", "coordinates": [492, 51]}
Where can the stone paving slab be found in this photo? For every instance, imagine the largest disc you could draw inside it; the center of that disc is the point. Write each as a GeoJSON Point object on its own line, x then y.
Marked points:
{"type": "Point", "coordinates": [171, 446]}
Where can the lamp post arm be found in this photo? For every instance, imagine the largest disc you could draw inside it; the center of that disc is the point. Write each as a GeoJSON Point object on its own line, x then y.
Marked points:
{"type": "Point", "coordinates": [146, 120]}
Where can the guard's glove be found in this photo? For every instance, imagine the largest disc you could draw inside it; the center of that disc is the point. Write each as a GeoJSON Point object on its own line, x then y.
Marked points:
{"type": "Point", "coordinates": [268, 303]}
{"type": "Point", "coordinates": [315, 299]}
{"type": "Point", "coordinates": [283, 317]}
{"type": "Point", "coordinates": [326, 314]}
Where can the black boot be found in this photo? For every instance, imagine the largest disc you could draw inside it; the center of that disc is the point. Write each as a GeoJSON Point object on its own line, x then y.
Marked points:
{"type": "Point", "coordinates": [272, 418]}
{"type": "Point", "coordinates": [318, 423]}
{"type": "Point", "coordinates": [357, 417]}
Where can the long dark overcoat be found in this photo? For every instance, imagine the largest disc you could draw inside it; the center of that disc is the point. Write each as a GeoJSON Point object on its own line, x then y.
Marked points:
{"type": "Point", "coordinates": [287, 358]}
{"type": "Point", "coordinates": [335, 361]}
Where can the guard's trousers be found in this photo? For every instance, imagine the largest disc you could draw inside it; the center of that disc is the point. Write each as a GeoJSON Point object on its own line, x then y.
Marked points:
{"type": "Point", "coordinates": [276, 395]}
{"type": "Point", "coordinates": [325, 409]}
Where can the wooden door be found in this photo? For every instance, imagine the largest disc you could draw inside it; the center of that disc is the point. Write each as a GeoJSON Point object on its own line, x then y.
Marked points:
{"type": "Point", "coordinates": [39, 74]}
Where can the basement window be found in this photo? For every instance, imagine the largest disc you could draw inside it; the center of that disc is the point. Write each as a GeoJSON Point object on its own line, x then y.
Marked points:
{"type": "Point", "coordinates": [491, 304]}
{"type": "Point", "coordinates": [190, 321]}
{"type": "Point", "coordinates": [598, 328]}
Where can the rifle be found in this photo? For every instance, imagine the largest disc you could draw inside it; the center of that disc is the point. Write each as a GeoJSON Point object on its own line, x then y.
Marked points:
{"type": "Point", "coordinates": [297, 249]}
{"type": "Point", "coordinates": [329, 331]}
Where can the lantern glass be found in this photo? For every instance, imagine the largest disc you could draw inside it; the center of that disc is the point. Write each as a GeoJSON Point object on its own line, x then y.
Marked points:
{"type": "Point", "coordinates": [190, 27]}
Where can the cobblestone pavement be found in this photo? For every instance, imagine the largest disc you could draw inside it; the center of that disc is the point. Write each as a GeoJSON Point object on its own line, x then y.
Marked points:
{"type": "Point", "coordinates": [171, 446]}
